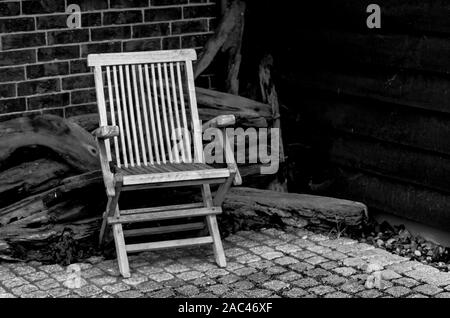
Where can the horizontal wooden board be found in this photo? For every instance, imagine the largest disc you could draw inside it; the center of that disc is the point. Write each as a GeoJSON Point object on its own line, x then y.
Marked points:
{"type": "Point", "coordinates": [387, 122]}
{"type": "Point", "coordinates": [404, 200]}
{"type": "Point", "coordinates": [398, 87]}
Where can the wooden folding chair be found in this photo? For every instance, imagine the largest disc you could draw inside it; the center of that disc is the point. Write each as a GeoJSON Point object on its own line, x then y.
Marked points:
{"type": "Point", "coordinates": [150, 136]}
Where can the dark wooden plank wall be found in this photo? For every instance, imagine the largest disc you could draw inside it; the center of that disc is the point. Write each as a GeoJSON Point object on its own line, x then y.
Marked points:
{"type": "Point", "coordinates": [377, 101]}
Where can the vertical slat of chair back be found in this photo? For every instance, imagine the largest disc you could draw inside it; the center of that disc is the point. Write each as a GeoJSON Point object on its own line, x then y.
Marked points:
{"type": "Point", "coordinates": [151, 98]}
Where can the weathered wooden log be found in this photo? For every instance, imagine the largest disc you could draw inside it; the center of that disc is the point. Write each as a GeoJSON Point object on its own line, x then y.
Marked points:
{"type": "Point", "coordinates": [72, 143]}
{"type": "Point", "coordinates": [249, 206]}
{"type": "Point", "coordinates": [29, 178]}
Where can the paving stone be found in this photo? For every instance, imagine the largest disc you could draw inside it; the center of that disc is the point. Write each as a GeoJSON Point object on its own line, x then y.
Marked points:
{"type": "Point", "coordinates": [354, 262]}
{"type": "Point", "coordinates": [257, 293]}
{"type": "Point", "coordinates": [402, 267]}
{"type": "Point", "coordinates": [89, 290]}
{"type": "Point", "coordinates": [305, 282]}
{"type": "Point", "coordinates": [242, 285]}
{"type": "Point", "coordinates": [289, 276]}
{"type": "Point", "coordinates": [345, 271]}
{"type": "Point", "coordinates": [23, 269]}
{"type": "Point", "coordinates": [407, 282]}
{"type": "Point", "coordinates": [303, 243]}
{"type": "Point", "coordinates": [245, 271]}
{"type": "Point", "coordinates": [228, 279]}
{"type": "Point", "coordinates": [417, 296]}
{"type": "Point", "coordinates": [247, 258]}
{"type": "Point", "coordinates": [319, 249]}
{"type": "Point", "coordinates": [176, 268]}
{"type": "Point", "coordinates": [430, 275]}
{"type": "Point", "coordinates": [398, 291]}
{"type": "Point", "coordinates": [329, 265]}
{"type": "Point", "coordinates": [135, 279]}
{"type": "Point", "coordinates": [443, 295]}
{"type": "Point", "coordinates": [260, 250]}
{"type": "Point", "coordinates": [275, 285]}
{"type": "Point", "coordinates": [321, 290]}
{"type": "Point", "coordinates": [92, 272]}
{"type": "Point", "coordinates": [7, 275]}
{"type": "Point", "coordinates": [302, 254]}
{"type": "Point", "coordinates": [334, 280]}
{"type": "Point", "coordinates": [190, 275]}
{"type": "Point", "coordinates": [203, 281]}
{"type": "Point", "coordinates": [174, 283]}
{"type": "Point", "coordinates": [130, 294]}
{"type": "Point", "coordinates": [247, 244]}
{"type": "Point", "coordinates": [272, 255]}
{"type": "Point", "coordinates": [258, 277]}
{"type": "Point", "coordinates": [218, 290]}
{"type": "Point", "coordinates": [23, 289]}
{"type": "Point", "coordinates": [286, 260]}
{"type": "Point", "coordinates": [389, 274]}
{"type": "Point", "coordinates": [116, 288]}
{"type": "Point", "coordinates": [148, 286]}
{"type": "Point", "coordinates": [317, 272]}
{"type": "Point", "coordinates": [104, 280]}
{"type": "Point", "coordinates": [204, 267]}
{"type": "Point", "coordinates": [294, 293]}
{"type": "Point", "coordinates": [36, 294]}
{"type": "Point", "coordinates": [261, 264]}
{"type": "Point", "coordinates": [188, 290]}
{"type": "Point", "coordinates": [47, 284]}
{"type": "Point", "coordinates": [235, 251]}
{"type": "Point", "coordinates": [163, 293]}
{"type": "Point", "coordinates": [14, 282]}
{"type": "Point", "coordinates": [35, 276]}
{"type": "Point", "coordinates": [352, 287]}
{"type": "Point", "coordinates": [429, 290]}
{"type": "Point", "coordinates": [371, 293]}
{"type": "Point", "coordinates": [58, 292]}
{"type": "Point", "coordinates": [217, 272]}
{"type": "Point", "coordinates": [315, 260]}
{"type": "Point", "coordinates": [7, 295]}
{"type": "Point", "coordinates": [160, 277]}
{"type": "Point", "coordinates": [51, 268]}
{"type": "Point", "coordinates": [301, 267]}
{"type": "Point", "coordinates": [276, 270]}
{"type": "Point", "coordinates": [338, 295]}
{"type": "Point", "coordinates": [334, 255]}
{"type": "Point", "coordinates": [274, 242]}
{"type": "Point", "coordinates": [288, 248]}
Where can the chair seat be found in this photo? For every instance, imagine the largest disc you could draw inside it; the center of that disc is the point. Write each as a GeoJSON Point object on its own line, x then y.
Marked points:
{"type": "Point", "coordinates": [170, 172]}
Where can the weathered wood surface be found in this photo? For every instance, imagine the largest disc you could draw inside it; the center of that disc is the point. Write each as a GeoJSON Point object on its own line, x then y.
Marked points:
{"type": "Point", "coordinates": [264, 207]}
{"type": "Point", "coordinates": [75, 145]}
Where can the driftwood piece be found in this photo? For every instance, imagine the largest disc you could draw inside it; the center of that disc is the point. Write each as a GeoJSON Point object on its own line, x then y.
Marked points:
{"type": "Point", "coordinates": [266, 207]}
{"type": "Point", "coordinates": [29, 178]}
{"type": "Point", "coordinates": [72, 143]}
{"type": "Point", "coordinates": [228, 36]}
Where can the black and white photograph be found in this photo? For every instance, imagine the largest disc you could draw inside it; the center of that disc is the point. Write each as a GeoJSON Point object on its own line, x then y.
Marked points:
{"type": "Point", "coordinates": [239, 152]}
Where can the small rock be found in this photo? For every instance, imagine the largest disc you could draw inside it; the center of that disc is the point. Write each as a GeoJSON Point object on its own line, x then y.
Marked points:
{"type": "Point", "coordinates": [418, 253]}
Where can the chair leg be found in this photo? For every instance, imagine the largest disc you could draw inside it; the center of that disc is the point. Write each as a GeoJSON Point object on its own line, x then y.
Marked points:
{"type": "Point", "coordinates": [121, 252]}
{"type": "Point", "coordinates": [217, 242]}
{"type": "Point", "coordinates": [111, 208]}
{"type": "Point", "coordinates": [213, 228]}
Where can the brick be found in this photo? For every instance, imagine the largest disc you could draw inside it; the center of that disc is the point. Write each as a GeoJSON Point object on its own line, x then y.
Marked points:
{"type": "Point", "coordinates": [77, 82]}
{"type": "Point", "coordinates": [79, 66]}
{"type": "Point", "coordinates": [48, 101]}
{"type": "Point", "coordinates": [129, 3]}
{"type": "Point", "coordinates": [191, 26]}
{"type": "Point", "coordinates": [142, 45]}
{"type": "Point", "coordinates": [151, 30]}
{"type": "Point", "coordinates": [162, 14]}
{"type": "Point", "coordinates": [168, 2]}
{"type": "Point", "coordinates": [12, 105]}
{"type": "Point", "coordinates": [12, 74]}
{"type": "Point", "coordinates": [38, 87]}
{"type": "Point", "coordinates": [7, 90]}
{"type": "Point", "coordinates": [16, 25]}
{"type": "Point", "coordinates": [9, 8]}
{"type": "Point", "coordinates": [68, 36]}
{"type": "Point", "coordinates": [47, 70]}
{"type": "Point", "coordinates": [122, 17]}
{"type": "Point", "coordinates": [17, 57]}
{"type": "Point", "coordinates": [111, 33]}
{"type": "Point", "coordinates": [59, 53]}
{"type": "Point", "coordinates": [22, 40]}
{"type": "Point", "coordinates": [42, 6]}
{"type": "Point", "coordinates": [87, 5]}
{"type": "Point", "coordinates": [106, 47]}
{"type": "Point", "coordinates": [91, 19]}
{"type": "Point", "coordinates": [171, 43]}
{"type": "Point", "coordinates": [52, 22]}
{"type": "Point", "coordinates": [200, 11]}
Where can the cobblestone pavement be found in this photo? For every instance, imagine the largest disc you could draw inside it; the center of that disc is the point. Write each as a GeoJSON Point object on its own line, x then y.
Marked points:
{"type": "Point", "coordinates": [269, 263]}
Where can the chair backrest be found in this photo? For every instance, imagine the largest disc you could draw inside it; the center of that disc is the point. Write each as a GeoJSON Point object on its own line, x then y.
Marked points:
{"type": "Point", "coordinates": [151, 97]}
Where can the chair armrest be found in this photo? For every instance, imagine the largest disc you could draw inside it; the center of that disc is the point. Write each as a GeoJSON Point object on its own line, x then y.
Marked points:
{"type": "Point", "coordinates": [220, 122]}
{"type": "Point", "coordinates": [106, 132]}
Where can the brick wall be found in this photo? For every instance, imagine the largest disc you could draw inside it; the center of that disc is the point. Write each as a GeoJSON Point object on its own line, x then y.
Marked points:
{"type": "Point", "coordinates": [43, 63]}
